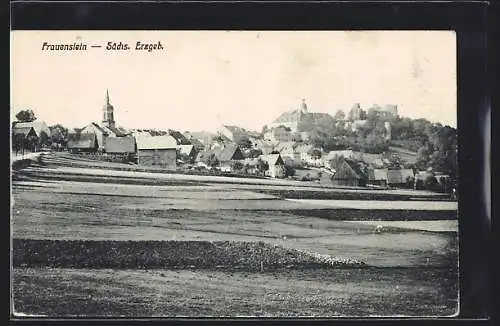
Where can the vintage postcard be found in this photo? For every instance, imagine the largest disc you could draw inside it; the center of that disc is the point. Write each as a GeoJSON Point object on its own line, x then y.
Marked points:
{"type": "Point", "coordinates": [234, 174]}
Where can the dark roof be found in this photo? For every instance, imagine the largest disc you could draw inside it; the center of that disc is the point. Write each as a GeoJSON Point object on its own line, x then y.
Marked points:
{"type": "Point", "coordinates": [23, 131]}
{"type": "Point", "coordinates": [100, 128]}
{"type": "Point", "coordinates": [203, 155]}
{"type": "Point", "coordinates": [83, 140]}
{"type": "Point", "coordinates": [119, 132]}
{"type": "Point", "coordinates": [357, 167]}
{"type": "Point", "coordinates": [272, 159]}
{"type": "Point", "coordinates": [223, 154]}
{"type": "Point", "coordinates": [228, 152]}
{"type": "Point", "coordinates": [38, 126]}
{"type": "Point", "coordinates": [179, 137]}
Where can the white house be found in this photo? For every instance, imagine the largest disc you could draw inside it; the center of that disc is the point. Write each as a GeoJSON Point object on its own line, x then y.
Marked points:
{"type": "Point", "coordinates": [278, 134]}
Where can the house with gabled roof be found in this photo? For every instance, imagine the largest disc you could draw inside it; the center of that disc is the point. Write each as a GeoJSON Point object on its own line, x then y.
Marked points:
{"type": "Point", "coordinates": [305, 151]}
{"type": "Point", "coordinates": [39, 127]}
{"type": "Point", "coordinates": [276, 165]}
{"type": "Point", "coordinates": [24, 137]}
{"type": "Point", "coordinates": [188, 152]}
{"type": "Point", "coordinates": [157, 151]}
{"type": "Point", "coordinates": [226, 155]}
{"type": "Point", "coordinates": [377, 177]}
{"type": "Point", "coordinates": [100, 133]}
{"type": "Point", "coordinates": [24, 131]}
{"type": "Point", "coordinates": [82, 142]}
{"type": "Point", "coordinates": [400, 177]}
{"type": "Point", "coordinates": [228, 152]}
{"type": "Point", "coordinates": [288, 153]}
{"type": "Point", "coordinates": [349, 173]}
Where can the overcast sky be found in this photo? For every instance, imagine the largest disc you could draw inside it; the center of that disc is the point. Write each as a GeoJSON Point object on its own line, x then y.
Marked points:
{"type": "Point", "coordinates": [205, 78]}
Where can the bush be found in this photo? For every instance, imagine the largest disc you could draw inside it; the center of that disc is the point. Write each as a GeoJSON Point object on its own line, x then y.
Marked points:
{"type": "Point", "coordinates": [307, 177]}
{"type": "Point", "coordinates": [289, 171]}
{"type": "Point", "coordinates": [237, 166]}
{"type": "Point", "coordinates": [431, 183]}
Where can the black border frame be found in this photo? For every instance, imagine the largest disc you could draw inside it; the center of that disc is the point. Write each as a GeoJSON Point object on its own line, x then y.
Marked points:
{"type": "Point", "coordinates": [468, 18]}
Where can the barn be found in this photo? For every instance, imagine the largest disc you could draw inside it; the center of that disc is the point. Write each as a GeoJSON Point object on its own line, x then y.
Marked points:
{"type": "Point", "coordinates": [227, 155]}
{"type": "Point", "coordinates": [82, 142]}
{"type": "Point", "coordinates": [24, 138]}
{"type": "Point", "coordinates": [377, 177]}
{"type": "Point", "coordinates": [400, 177]}
{"type": "Point", "coordinates": [157, 151]}
{"type": "Point", "coordinates": [120, 145]}
{"type": "Point", "coordinates": [348, 173]}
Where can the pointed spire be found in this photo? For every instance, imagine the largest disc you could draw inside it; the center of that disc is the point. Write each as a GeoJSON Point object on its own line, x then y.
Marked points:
{"type": "Point", "coordinates": [107, 96]}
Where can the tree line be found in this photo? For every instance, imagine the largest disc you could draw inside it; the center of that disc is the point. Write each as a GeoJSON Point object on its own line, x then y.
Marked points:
{"type": "Point", "coordinates": [435, 144]}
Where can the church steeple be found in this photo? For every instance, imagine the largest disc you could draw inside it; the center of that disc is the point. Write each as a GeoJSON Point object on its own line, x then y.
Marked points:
{"type": "Point", "coordinates": [108, 118]}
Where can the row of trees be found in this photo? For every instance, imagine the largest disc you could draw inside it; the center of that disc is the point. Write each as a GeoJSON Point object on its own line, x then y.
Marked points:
{"type": "Point", "coordinates": [369, 138]}
{"type": "Point", "coordinates": [436, 145]}
{"type": "Point", "coordinates": [260, 167]}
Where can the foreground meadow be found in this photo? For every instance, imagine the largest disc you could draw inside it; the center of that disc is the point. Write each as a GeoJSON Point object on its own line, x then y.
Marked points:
{"type": "Point", "coordinates": [406, 240]}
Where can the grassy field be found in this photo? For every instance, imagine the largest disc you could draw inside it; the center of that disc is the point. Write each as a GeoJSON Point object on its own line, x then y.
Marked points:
{"type": "Point", "coordinates": [82, 202]}
{"type": "Point", "coordinates": [294, 293]}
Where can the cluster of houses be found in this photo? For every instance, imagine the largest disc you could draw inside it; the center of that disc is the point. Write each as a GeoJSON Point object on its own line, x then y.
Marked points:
{"type": "Point", "coordinates": [272, 153]}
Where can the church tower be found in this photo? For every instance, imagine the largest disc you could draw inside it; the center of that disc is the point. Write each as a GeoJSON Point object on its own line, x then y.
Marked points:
{"type": "Point", "coordinates": [108, 118]}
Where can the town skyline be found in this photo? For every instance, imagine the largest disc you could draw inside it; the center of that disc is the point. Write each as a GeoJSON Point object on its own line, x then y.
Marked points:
{"type": "Point", "coordinates": [242, 78]}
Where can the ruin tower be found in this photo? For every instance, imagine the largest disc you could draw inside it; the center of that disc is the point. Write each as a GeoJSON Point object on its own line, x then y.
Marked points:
{"type": "Point", "coordinates": [303, 106]}
{"type": "Point", "coordinates": [355, 113]}
{"type": "Point", "coordinates": [108, 118]}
